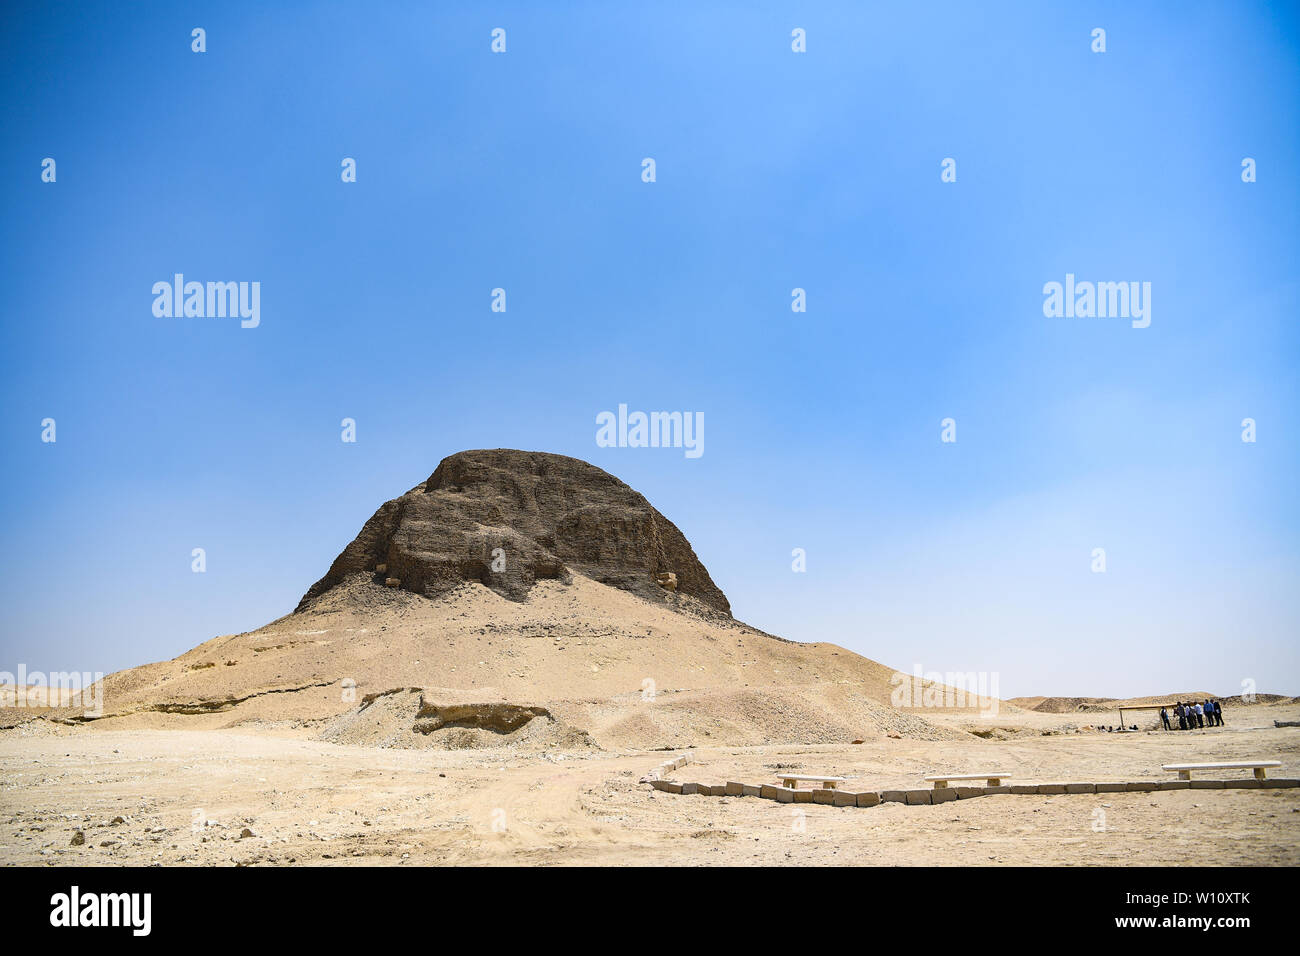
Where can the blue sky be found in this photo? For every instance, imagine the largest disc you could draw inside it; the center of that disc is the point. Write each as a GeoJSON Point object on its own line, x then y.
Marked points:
{"type": "Point", "coordinates": [775, 170]}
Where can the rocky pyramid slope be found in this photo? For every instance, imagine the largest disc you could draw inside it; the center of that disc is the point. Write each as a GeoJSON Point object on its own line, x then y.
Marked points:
{"type": "Point", "coordinates": [506, 518]}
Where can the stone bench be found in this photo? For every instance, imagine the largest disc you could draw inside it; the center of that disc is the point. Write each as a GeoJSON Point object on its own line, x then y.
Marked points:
{"type": "Point", "coordinates": [993, 778]}
{"type": "Point", "coordinates": [1259, 766]}
{"type": "Point", "coordinates": [791, 780]}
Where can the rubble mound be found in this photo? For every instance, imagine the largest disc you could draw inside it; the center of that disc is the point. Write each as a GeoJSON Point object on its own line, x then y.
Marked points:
{"type": "Point", "coordinates": [506, 518]}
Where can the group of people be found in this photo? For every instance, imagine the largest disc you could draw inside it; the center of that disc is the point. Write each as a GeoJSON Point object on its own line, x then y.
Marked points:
{"type": "Point", "coordinates": [1194, 716]}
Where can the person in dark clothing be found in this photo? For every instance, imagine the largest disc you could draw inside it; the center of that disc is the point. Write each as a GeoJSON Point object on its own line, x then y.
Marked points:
{"type": "Point", "coordinates": [1164, 718]}
{"type": "Point", "coordinates": [1218, 713]}
{"type": "Point", "coordinates": [1182, 715]}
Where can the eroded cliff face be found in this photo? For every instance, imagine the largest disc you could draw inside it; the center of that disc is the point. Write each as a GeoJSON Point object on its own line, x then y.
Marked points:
{"type": "Point", "coordinates": [506, 518]}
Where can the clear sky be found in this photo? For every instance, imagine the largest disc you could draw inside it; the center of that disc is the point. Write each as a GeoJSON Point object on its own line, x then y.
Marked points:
{"type": "Point", "coordinates": [774, 170]}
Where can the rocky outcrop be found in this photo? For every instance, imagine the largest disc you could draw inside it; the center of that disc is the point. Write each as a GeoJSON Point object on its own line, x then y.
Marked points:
{"type": "Point", "coordinates": [506, 518]}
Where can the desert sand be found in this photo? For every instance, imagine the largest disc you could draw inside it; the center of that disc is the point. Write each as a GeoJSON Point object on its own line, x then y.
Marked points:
{"type": "Point", "coordinates": [490, 669]}
{"type": "Point", "coordinates": [186, 796]}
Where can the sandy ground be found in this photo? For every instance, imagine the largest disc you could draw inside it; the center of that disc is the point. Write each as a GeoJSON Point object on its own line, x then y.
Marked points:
{"type": "Point", "coordinates": [186, 796]}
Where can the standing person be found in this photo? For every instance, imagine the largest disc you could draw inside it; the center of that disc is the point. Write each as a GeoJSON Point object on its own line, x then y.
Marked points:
{"type": "Point", "coordinates": [1209, 713]}
{"type": "Point", "coordinates": [1182, 715]}
{"type": "Point", "coordinates": [1164, 718]}
{"type": "Point", "coordinates": [1200, 716]}
{"type": "Point", "coordinates": [1218, 712]}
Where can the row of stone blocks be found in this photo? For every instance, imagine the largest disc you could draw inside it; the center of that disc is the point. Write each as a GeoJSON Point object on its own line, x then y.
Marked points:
{"type": "Point", "coordinates": [846, 798]}
{"type": "Point", "coordinates": [838, 798]}
{"type": "Point", "coordinates": [668, 766]}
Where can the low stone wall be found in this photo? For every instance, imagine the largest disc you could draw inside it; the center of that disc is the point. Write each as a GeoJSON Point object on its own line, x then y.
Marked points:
{"type": "Point", "coordinates": [871, 798]}
{"type": "Point", "coordinates": [667, 767]}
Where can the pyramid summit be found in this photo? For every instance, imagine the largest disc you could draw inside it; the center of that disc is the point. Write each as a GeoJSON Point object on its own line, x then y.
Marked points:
{"type": "Point", "coordinates": [506, 518]}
